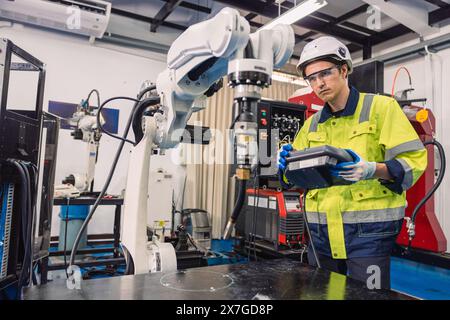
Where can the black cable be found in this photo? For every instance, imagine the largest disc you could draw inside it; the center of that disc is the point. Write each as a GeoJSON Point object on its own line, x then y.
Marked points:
{"type": "Point", "coordinates": [191, 241]}
{"type": "Point", "coordinates": [108, 180]}
{"type": "Point", "coordinates": [240, 200]}
{"type": "Point", "coordinates": [307, 229]}
{"type": "Point", "coordinates": [255, 204]}
{"type": "Point", "coordinates": [33, 172]}
{"type": "Point", "coordinates": [182, 196]}
{"type": "Point", "coordinates": [23, 207]}
{"type": "Point", "coordinates": [234, 121]}
{"type": "Point", "coordinates": [255, 199]}
{"type": "Point", "coordinates": [98, 97]}
{"type": "Point", "coordinates": [139, 112]}
{"type": "Point", "coordinates": [435, 186]}
{"type": "Point", "coordinates": [100, 126]}
{"type": "Point", "coordinates": [26, 220]}
{"type": "Point", "coordinates": [34, 279]}
{"type": "Point", "coordinates": [129, 268]}
{"type": "Point", "coordinates": [31, 198]}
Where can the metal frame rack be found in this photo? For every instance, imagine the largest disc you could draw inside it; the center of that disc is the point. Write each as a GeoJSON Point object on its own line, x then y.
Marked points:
{"type": "Point", "coordinates": [20, 139]}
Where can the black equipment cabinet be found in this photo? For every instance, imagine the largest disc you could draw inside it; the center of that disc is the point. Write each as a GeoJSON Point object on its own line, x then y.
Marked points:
{"type": "Point", "coordinates": [278, 122]}
{"type": "Point", "coordinates": [368, 77]}
{"type": "Point", "coordinates": [22, 80]}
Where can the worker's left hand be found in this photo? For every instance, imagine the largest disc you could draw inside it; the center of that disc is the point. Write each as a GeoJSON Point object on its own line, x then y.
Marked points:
{"type": "Point", "coordinates": [354, 171]}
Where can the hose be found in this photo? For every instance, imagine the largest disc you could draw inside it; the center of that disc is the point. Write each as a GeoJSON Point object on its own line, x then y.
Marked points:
{"type": "Point", "coordinates": [433, 189]}
{"type": "Point", "coordinates": [395, 79]}
{"type": "Point", "coordinates": [237, 209]}
{"type": "Point", "coordinates": [108, 180]}
{"type": "Point", "coordinates": [100, 126]}
{"type": "Point", "coordinates": [240, 200]}
{"type": "Point", "coordinates": [98, 97]}
{"type": "Point", "coordinates": [138, 114]}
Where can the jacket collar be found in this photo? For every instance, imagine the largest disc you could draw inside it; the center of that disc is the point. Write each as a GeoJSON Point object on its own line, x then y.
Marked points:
{"type": "Point", "coordinates": [349, 110]}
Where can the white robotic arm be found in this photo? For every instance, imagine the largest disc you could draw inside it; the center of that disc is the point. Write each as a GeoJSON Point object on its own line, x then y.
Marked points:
{"type": "Point", "coordinates": [85, 122]}
{"type": "Point", "coordinates": [202, 55]}
{"type": "Point", "coordinates": [197, 59]}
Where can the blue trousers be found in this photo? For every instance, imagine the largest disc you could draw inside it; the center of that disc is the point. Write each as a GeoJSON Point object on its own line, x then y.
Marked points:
{"type": "Point", "coordinates": [374, 271]}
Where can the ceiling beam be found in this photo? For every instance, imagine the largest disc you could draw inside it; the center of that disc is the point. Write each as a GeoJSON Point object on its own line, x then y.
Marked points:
{"type": "Point", "coordinates": [389, 34]}
{"type": "Point", "coordinates": [438, 15]}
{"type": "Point", "coordinates": [341, 19]}
{"type": "Point", "coordinates": [250, 16]}
{"type": "Point", "coordinates": [352, 13]}
{"type": "Point", "coordinates": [271, 11]}
{"type": "Point", "coordinates": [142, 18]}
{"type": "Point", "coordinates": [439, 3]}
{"type": "Point", "coordinates": [193, 6]}
{"type": "Point", "coordinates": [297, 37]}
{"type": "Point", "coordinates": [412, 14]}
{"type": "Point", "coordinates": [334, 21]}
{"type": "Point", "coordinates": [306, 37]}
{"type": "Point", "coordinates": [165, 11]}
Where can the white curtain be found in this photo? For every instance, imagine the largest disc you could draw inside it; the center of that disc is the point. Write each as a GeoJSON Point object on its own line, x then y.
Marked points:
{"type": "Point", "coordinates": [208, 183]}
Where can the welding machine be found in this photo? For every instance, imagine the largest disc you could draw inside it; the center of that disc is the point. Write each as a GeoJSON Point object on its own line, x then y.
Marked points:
{"type": "Point", "coordinates": [273, 216]}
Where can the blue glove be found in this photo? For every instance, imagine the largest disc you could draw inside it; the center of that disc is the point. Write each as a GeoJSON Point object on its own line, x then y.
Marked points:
{"type": "Point", "coordinates": [354, 171]}
{"type": "Point", "coordinates": [282, 154]}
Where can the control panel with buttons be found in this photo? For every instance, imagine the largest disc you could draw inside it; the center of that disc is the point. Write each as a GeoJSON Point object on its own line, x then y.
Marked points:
{"type": "Point", "coordinates": [278, 124]}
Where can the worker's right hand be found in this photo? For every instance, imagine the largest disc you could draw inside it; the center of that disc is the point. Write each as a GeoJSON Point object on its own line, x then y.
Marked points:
{"type": "Point", "coordinates": [282, 154]}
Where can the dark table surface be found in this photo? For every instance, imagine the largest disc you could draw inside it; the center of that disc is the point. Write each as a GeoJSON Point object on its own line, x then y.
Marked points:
{"type": "Point", "coordinates": [281, 279]}
{"type": "Point", "coordinates": [88, 200]}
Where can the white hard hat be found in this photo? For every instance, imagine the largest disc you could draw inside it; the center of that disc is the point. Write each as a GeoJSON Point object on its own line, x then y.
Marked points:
{"type": "Point", "coordinates": [322, 48]}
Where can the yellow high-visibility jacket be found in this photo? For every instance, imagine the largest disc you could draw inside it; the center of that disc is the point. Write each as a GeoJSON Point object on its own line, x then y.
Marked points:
{"type": "Point", "coordinates": [364, 218]}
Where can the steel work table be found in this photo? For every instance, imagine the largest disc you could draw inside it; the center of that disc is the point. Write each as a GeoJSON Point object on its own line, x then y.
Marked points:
{"type": "Point", "coordinates": [280, 279]}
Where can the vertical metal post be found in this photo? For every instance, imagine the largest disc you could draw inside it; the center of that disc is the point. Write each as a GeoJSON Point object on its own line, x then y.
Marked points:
{"type": "Point", "coordinates": [117, 214]}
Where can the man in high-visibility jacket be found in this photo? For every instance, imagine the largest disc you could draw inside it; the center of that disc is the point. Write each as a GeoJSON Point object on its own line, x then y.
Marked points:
{"type": "Point", "coordinates": [354, 226]}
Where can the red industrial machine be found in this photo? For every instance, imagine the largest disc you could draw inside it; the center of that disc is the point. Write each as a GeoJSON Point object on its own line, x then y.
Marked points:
{"type": "Point", "coordinates": [308, 98]}
{"type": "Point", "coordinates": [429, 235]}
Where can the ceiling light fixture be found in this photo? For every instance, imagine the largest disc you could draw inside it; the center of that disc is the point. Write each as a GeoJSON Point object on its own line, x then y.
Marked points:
{"type": "Point", "coordinates": [296, 13]}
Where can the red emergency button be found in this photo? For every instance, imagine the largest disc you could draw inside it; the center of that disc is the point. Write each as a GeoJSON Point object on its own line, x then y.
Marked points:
{"type": "Point", "coordinates": [264, 122]}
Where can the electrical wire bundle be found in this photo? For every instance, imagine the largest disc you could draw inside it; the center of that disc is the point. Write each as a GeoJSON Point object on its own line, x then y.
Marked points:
{"type": "Point", "coordinates": [28, 194]}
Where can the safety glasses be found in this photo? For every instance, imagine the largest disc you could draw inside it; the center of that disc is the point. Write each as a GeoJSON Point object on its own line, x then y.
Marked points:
{"type": "Point", "coordinates": [323, 74]}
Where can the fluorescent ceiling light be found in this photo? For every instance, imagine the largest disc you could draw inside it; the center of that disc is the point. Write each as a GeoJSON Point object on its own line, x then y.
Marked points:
{"type": "Point", "coordinates": [296, 13]}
